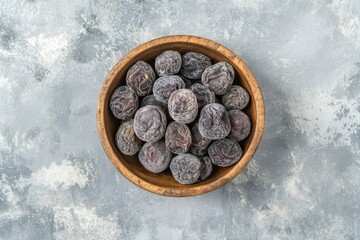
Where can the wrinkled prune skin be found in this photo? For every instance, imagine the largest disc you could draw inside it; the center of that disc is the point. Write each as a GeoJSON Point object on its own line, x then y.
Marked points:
{"type": "Point", "coordinates": [240, 125]}
{"type": "Point", "coordinates": [140, 78]}
{"type": "Point", "coordinates": [225, 152]}
{"type": "Point", "coordinates": [124, 103]}
{"type": "Point", "coordinates": [168, 63]}
{"type": "Point", "coordinates": [177, 137]}
{"type": "Point", "coordinates": [154, 156]}
{"type": "Point", "coordinates": [198, 151]}
{"type": "Point", "coordinates": [150, 123]}
{"type": "Point", "coordinates": [206, 167]}
{"type": "Point", "coordinates": [194, 64]}
{"type": "Point", "coordinates": [150, 100]}
{"type": "Point", "coordinates": [126, 140]}
{"type": "Point", "coordinates": [219, 77]}
{"type": "Point", "coordinates": [185, 168]}
{"type": "Point", "coordinates": [199, 144]}
{"type": "Point", "coordinates": [214, 122]}
{"type": "Point", "coordinates": [236, 98]}
{"type": "Point", "coordinates": [183, 106]}
{"type": "Point", "coordinates": [164, 86]}
{"type": "Point", "coordinates": [187, 81]}
{"type": "Point", "coordinates": [203, 94]}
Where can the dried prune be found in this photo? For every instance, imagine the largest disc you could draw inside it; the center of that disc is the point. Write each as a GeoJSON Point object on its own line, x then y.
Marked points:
{"type": "Point", "coordinates": [203, 94]}
{"type": "Point", "coordinates": [236, 98]}
{"type": "Point", "coordinates": [199, 144]}
{"type": "Point", "coordinates": [168, 63]}
{"type": "Point", "coordinates": [194, 64]}
{"type": "Point", "coordinates": [154, 156]}
{"type": "Point", "coordinates": [177, 137]}
{"type": "Point", "coordinates": [187, 81]}
{"type": "Point", "coordinates": [240, 125]}
{"type": "Point", "coordinates": [150, 123]}
{"type": "Point", "coordinates": [140, 78]}
{"type": "Point", "coordinates": [124, 103]}
{"type": "Point", "coordinates": [206, 167]}
{"type": "Point", "coordinates": [214, 122]}
{"type": "Point", "coordinates": [151, 100]}
{"type": "Point", "coordinates": [164, 86]}
{"type": "Point", "coordinates": [225, 152]}
{"type": "Point", "coordinates": [185, 168]}
{"type": "Point", "coordinates": [198, 151]}
{"type": "Point", "coordinates": [126, 140]}
{"type": "Point", "coordinates": [183, 106]}
{"type": "Point", "coordinates": [219, 77]}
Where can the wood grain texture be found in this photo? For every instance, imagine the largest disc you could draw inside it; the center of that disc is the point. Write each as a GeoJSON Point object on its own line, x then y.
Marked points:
{"type": "Point", "coordinates": [163, 183]}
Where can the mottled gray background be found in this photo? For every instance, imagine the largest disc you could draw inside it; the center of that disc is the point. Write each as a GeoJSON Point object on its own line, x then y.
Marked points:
{"type": "Point", "coordinates": [56, 182]}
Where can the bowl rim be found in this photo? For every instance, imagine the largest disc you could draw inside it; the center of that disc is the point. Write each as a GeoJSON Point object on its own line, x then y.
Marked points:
{"type": "Point", "coordinates": [187, 190]}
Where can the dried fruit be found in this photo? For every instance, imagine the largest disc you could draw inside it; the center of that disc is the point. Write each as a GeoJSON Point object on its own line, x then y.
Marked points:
{"type": "Point", "coordinates": [124, 103]}
{"type": "Point", "coordinates": [154, 156]}
{"type": "Point", "coordinates": [206, 167]}
{"type": "Point", "coordinates": [194, 64]}
{"type": "Point", "coordinates": [126, 140]}
{"type": "Point", "coordinates": [151, 100]}
{"type": "Point", "coordinates": [177, 137]}
{"type": "Point", "coordinates": [168, 63]}
{"type": "Point", "coordinates": [225, 152]}
{"type": "Point", "coordinates": [185, 168]}
{"type": "Point", "coordinates": [236, 98]}
{"type": "Point", "coordinates": [203, 94]}
{"type": "Point", "coordinates": [183, 106]}
{"type": "Point", "coordinates": [219, 77]}
{"type": "Point", "coordinates": [198, 151]}
{"type": "Point", "coordinates": [187, 81]}
{"type": "Point", "coordinates": [150, 123]}
{"type": "Point", "coordinates": [214, 122]}
{"type": "Point", "coordinates": [164, 86]}
{"type": "Point", "coordinates": [140, 78]}
{"type": "Point", "coordinates": [199, 144]}
{"type": "Point", "coordinates": [240, 125]}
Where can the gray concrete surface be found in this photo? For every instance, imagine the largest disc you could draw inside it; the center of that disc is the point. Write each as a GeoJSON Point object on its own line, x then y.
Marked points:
{"type": "Point", "coordinates": [56, 182]}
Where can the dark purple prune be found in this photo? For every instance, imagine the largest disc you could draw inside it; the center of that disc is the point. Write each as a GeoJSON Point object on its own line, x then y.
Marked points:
{"type": "Point", "coordinates": [150, 123]}
{"type": "Point", "coordinates": [185, 168]}
{"type": "Point", "coordinates": [124, 103]}
{"type": "Point", "coordinates": [183, 106]}
{"type": "Point", "coordinates": [206, 167]}
{"type": "Point", "coordinates": [194, 64]}
{"type": "Point", "coordinates": [203, 94]}
{"type": "Point", "coordinates": [225, 152]}
{"type": "Point", "coordinates": [219, 77]}
{"type": "Point", "coordinates": [140, 78]}
{"type": "Point", "coordinates": [177, 137]}
{"type": "Point", "coordinates": [187, 81]}
{"type": "Point", "coordinates": [236, 98]}
{"type": "Point", "coordinates": [198, 151]}
{"type": "Point", "coordinates": [126, 140]}
{"type": "Point", "coordinates": [164, 86]}
{"type": "Point", "coordinates": [154, 156]}
{"type": "Point", "coordinates": [151, 100]}
{"type": "Point", "coordinates": [214, 122]}
{"type": "Point", "coordinates": [240, 125]}
{"type": "Point", "coordinates": [199, 144]}
{"type": "Point", "coordinates": [168, 63]}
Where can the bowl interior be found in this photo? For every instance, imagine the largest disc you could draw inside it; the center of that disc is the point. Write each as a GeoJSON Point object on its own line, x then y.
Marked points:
{"type": "Point", "coordinates": [111, 124]}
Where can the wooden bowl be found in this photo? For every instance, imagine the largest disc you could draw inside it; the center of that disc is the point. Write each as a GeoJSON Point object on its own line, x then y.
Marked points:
{"type": "Point", "coordinates": [164, 183]}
